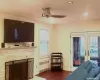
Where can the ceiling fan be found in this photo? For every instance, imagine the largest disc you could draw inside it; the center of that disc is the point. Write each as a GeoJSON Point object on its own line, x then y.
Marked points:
{"type": "Point", "coordinates": [47, 13]}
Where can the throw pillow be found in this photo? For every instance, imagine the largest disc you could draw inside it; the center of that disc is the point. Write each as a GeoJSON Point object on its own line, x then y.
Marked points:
{"type": "Point", "coordinates": [92, 73]}
{"type": "Point", "coordinates": [97, 77]}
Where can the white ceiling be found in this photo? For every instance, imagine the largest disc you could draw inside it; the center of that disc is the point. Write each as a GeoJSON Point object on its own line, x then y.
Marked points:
{"type": "Point", "coordinates": [32, 9]}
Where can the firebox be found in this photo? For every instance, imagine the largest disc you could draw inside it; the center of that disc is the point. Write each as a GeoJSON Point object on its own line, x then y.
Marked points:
{"type": "Point", "coordinates": [19, 69]}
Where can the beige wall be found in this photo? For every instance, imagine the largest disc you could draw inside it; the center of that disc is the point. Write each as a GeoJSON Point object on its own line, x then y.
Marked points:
{"type": "Point", "coordinates": [38, 26]}
{"type": "Point", "coordinates": [1, 30]}
{"type": "Point", "coordinates": [62, 37]}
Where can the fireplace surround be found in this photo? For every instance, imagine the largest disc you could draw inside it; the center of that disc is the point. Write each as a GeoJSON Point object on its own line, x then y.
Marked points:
{"type": "Point", "coordinates": [19, 69]}
{"type": "Point", "coordinates": [13, 54]}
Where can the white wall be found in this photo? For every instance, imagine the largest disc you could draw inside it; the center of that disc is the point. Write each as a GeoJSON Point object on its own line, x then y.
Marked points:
{"type": "Point", "coordinates": [62, 37]}
{"type": "Point", "coordinates": [38, 26]}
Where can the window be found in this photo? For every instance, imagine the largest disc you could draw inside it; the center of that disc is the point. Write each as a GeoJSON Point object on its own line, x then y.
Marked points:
{"type": "Point", "coordinates": [44, 41]}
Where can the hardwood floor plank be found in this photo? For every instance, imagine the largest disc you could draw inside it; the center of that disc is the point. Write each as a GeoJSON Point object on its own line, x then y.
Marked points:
{"type": "Point", "coordinates": [54, 75]}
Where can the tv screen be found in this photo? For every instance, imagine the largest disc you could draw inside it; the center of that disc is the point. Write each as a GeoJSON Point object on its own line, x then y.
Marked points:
{"type": "Point", "coordinates": [18, 31]}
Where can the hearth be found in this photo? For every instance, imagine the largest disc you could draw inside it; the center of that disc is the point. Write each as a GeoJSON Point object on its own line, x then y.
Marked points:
{"type": "Point", "coordinates": [19, 69]}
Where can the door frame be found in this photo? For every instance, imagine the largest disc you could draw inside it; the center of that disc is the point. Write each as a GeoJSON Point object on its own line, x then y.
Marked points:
{"type": "Point", "coordinates": [91, 34]}
{"type": "Point", "coordinates": [86, 35]}
{"type": "Point", "coordinates": [76, 34]}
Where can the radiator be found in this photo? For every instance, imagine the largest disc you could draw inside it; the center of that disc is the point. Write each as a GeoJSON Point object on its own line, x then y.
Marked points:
{"type": "Point", "coordinates": [44, 64]}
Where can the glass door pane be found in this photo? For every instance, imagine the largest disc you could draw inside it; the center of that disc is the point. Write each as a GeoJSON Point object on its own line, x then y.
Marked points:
{"type": "Point", "coordinates": [94, 48]}
{"type": "Point", "coordinates": [78, 51]}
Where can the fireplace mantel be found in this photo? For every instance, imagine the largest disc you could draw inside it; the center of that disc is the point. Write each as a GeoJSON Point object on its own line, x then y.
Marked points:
{"type": "Point", "coordinates": [18, 48]}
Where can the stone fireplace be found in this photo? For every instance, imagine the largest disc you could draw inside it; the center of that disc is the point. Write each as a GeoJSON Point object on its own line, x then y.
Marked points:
{"type": "Point", "coordinates": [16, 61]}
{"type": "Point", "coordinates": [19, 69]}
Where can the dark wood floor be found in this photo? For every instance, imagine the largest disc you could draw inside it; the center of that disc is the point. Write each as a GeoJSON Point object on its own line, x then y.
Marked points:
{"type": "Point", "coordinates": [51, 75]}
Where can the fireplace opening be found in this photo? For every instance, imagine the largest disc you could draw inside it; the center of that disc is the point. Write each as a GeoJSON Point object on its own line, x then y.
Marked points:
{"type": "Point", "coordinates": [19, 69]}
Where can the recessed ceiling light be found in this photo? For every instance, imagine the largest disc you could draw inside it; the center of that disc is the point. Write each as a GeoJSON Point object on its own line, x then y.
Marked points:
{"type": "Point", "coordinates": [70, 2]}
{"type": "Point", "coordinates": [86, 14]}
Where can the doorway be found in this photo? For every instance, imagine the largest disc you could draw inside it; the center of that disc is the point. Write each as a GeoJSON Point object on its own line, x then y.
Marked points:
{"type": "Point", "coordinates": [78, 50]}
{"type": "Point", "coordinates": [84, 46]}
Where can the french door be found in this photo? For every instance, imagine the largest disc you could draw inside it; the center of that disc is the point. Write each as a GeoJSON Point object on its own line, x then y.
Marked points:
{"type": "Point", "coordinates": [94, 47]}
{"type": "Point", "coordinates": [78, 49]}
{"type": "Point", "coordinates": [84, 46]}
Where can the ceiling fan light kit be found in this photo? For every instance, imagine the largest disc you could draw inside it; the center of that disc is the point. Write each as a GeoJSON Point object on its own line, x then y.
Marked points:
{"type": "Point", "coordinates": [46, 12]}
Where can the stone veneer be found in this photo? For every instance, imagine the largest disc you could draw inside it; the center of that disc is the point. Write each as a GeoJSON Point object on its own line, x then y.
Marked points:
{"type": "Point", "coordinates": [11, 54]}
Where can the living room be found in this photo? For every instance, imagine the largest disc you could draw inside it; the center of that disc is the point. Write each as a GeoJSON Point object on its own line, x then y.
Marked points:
{"type": "Point", "coordinates": [63, 22]}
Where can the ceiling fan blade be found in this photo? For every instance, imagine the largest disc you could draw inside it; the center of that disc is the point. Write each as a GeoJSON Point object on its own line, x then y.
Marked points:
{"type": "Point", "coordinates": [58, 16]}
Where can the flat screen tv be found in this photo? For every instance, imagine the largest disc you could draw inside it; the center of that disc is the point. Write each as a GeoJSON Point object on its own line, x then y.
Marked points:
{"type": "Point", "coordinates": [18, 31]}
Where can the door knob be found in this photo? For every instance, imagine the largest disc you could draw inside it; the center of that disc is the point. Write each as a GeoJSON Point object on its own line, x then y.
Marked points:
{"type": "Point", "coordinates": [85, 52]}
